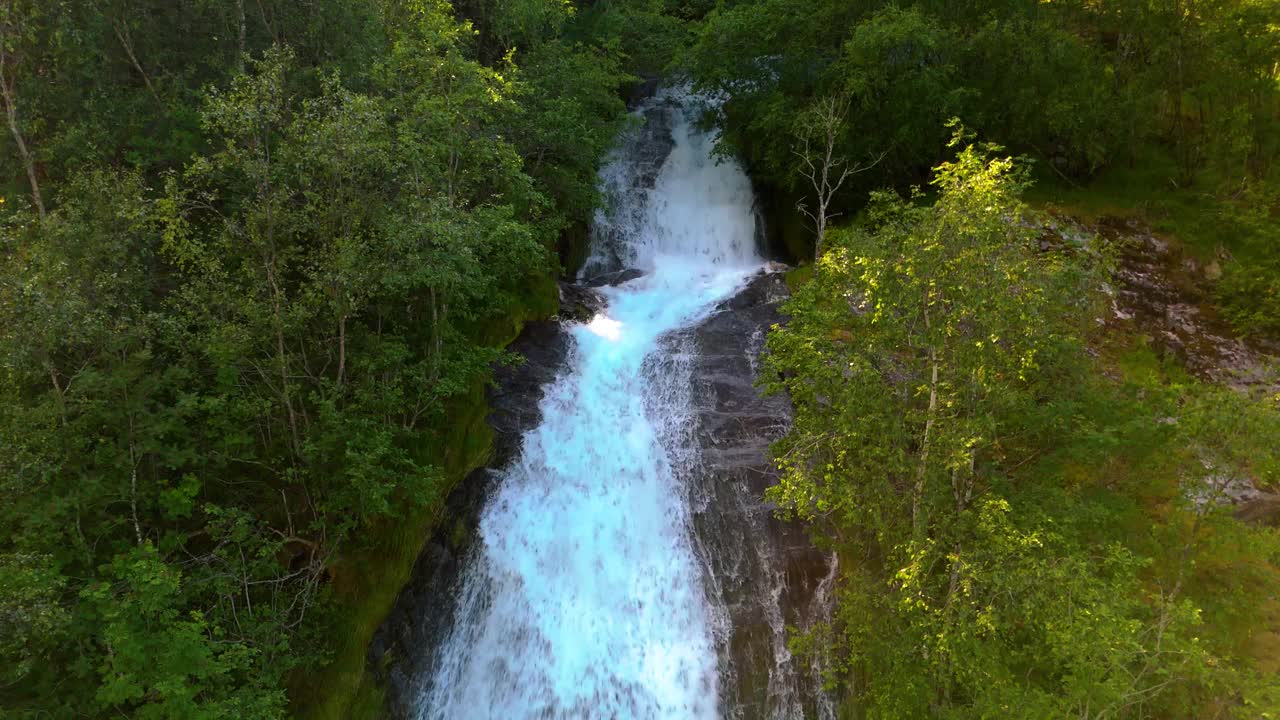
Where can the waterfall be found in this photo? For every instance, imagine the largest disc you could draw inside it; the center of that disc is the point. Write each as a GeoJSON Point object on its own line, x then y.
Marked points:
{"type": "Point", "coordinates": [585, 597]}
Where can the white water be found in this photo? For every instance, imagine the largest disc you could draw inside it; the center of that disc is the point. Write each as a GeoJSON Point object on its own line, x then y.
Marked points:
{"type": "Point", "coordinates": [585, 597]}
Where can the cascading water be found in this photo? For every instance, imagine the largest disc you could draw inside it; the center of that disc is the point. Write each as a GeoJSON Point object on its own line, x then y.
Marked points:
{"type": "Point", "coordinates": [585, 596]}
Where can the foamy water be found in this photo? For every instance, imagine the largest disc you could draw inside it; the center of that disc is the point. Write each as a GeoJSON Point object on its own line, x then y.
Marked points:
{"type": "Point", "coordinates": [585, 597]}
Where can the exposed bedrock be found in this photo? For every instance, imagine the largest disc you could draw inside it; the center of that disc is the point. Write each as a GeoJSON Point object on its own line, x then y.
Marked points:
{"type": "Point", "coordinates": [761, 573]}
{"type": "Point", "coordinates": [764, 571]}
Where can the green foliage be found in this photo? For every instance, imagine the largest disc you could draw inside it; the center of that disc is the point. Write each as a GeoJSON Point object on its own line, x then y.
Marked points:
{"type": "Point", "coordinates": [253, 255]}
{"type": "Point", "coordinates": [281, 241]}
{"type": "Point", "coordinates": [1083, 86]}
{"type": "Point", "coordinates": [32, 619]}
{"type": "Point", "coordinates": [1250, 297]}
{"type": "Point", "coordinates": [982, 485]}
{"type": "Point", "coordinates": [172, 659]}
{"type": "Point", "coordinates": [1249, 291]}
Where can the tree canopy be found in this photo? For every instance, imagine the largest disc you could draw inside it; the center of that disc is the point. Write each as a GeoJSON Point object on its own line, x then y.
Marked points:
{"type": "Point", "coordinates": [252, 258]}
{"type": "Point", "coordinates": [979, 480]}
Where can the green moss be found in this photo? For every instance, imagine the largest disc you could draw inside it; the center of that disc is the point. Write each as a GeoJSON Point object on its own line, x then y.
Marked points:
{"type": "Point", "coordinates": [1139, 365]}
{"type": "Point", "coordinates": [367, 579]}
{"type": "Point", "coordinates": [368, 701]}
{"type": "Point", "coordinates": [538, 297]}
{"type": "Point", "coordinates": [574, 247]}
{"type": "Point", "coordinates": [798, 277]}
{"type": "Point", "coordinates": [458, 537]}
{"type": "Point", "coordinates": [1128, 356]}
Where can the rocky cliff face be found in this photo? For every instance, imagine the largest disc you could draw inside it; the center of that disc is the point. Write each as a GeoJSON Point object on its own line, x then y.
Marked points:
{"type": "Point", "coordinates": [1165, 296]}
{"type": "Point", "coordinates": [762, 572]}
{"type": "Point", "coordinates": [649, 145]}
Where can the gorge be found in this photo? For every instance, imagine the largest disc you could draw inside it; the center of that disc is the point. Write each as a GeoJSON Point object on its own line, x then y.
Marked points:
{"type": "Point", "coordinates": [619, 559]}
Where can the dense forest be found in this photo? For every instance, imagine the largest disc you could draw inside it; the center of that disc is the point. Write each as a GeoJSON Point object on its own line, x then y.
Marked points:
{"type": "Point", "coordinates": [258, 260]}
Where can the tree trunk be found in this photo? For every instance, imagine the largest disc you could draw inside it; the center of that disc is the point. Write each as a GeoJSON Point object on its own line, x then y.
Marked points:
{"type": "Point", "coordinates": [435, 336]}
{"type": "Point", "coordinates": [282, 358]}
{"type": "Point", "coordinates": [918, 495]}
{"type": "Point", "coordinates": [9, 95]}
{"type": "Point", "coordinates": [127, 44]}
{"type": "Point", "coordinates": [342, 348]}
{"type": "Point", "coordinates": [239, 65]}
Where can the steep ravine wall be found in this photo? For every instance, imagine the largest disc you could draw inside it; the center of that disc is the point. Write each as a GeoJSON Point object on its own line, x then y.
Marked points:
{"type": "Point", "coordinates": [766, 575]}
{"type": "Point", "coordinates": [761, 575]}
{"type": "Point", "coordinates": [424, 606]}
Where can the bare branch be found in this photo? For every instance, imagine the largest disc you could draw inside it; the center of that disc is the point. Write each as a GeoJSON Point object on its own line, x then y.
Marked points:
{"type": "Point", "coordinates": [824, 169]}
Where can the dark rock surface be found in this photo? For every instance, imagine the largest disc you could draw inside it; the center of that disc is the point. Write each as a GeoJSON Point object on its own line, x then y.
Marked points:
{"type": "Point", "coordinates": [611, 279]}
{"type": "Point", "coordinates": [580, 303]}
{"type": "Point", "coordinates": [764, 572]}
{"type": "Point", "coordinates": [398, 655]}
{"type": "Point", "coordinates": [1164, 295]}
{"type": "Point", "coordinates": [653, 143]}
{"type": "Point", "coordinates": [642, 90]}
{"type": "Point", "coordinates": [646, 149]}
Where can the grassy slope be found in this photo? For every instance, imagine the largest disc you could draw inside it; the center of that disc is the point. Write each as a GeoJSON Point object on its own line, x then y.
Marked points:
{"type": "Point", "coordinates": [1144, 190]}
{"type": "Point", "coordinates": [1191, 219]}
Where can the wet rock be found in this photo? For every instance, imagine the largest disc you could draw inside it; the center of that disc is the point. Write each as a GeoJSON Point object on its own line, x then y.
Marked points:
{"type": "Point", "coordinates": [580, 303]}
{"type": "Point", "coordinates": [1262, 509]}
{"type": "Point", "coordinates": [1166, 297]}
{"type": "Point", "coordinates": [611, 279]}
{"type": "Point", "coordinates": [647, 148]}
{"type": "Point", "coordinates": [654, 142]}
{"type": "Point", "coordinates": [642, 90]}
{"type": "Point", "coordinates": [425, 605]}
{"type": "Point", "coordinates": [763, 571]}
{"type": "Point", "coordinates": [1251, 503]}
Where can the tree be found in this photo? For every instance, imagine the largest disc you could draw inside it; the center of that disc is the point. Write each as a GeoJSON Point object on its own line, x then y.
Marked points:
{"type": "Point", "coordinates": [823, 168]}
{"type": "Point", "coordinates": [927, 361]}
{"type": "Point", "coordinates": [33, 620]}
{"type": "Point", "coordinates": [18, 20]}
{"type": "Point", "coordinates": [231, 346]}
{"type": "Point", "coordinates": [162, 662]}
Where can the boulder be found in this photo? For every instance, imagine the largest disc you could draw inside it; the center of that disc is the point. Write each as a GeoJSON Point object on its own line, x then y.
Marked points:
{"type": "Point", "coordinates": [611, 279]}
{"type": "Point", "coordinates": [580, 303]}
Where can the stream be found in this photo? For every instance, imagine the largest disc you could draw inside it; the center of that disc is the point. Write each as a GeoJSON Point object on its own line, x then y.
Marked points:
{"type": "Point", "coordinates": [624, 564]}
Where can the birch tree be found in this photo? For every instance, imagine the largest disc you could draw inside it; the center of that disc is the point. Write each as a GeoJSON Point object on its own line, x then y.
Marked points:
{"type": "Point", "coordinates": [923, 348]}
